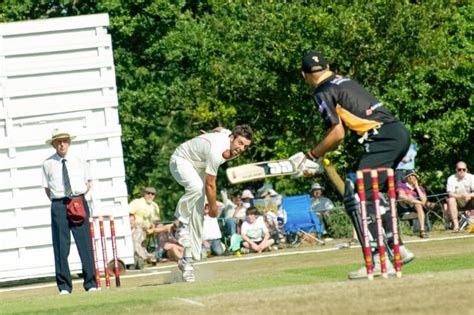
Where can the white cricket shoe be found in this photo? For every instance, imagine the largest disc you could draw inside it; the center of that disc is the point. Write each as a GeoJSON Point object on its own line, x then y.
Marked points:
{"type": "Point", "coordinates": [64, 292]}
{"type": "Point", "coordinates": [187, 270]}
{"type": "Point", "coordinates": [406, 255]}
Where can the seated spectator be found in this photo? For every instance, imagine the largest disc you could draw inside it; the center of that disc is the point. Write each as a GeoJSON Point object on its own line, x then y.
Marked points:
{"type": "Point", "coordinates": [255, 235]}
{"type": "Point", "coordinates": [247, 201]}
{"type": "Point", "coordinates": [406, 165]}
{"type": "Point", "coordinates": [235, 215]}
{"type": "Point", "coordinates": [321, 205]}
{"type": "Point", "coordinates": [169, 247]}
{"type": "Point", "coordinates": [412, 198]}
{"type": "Point", "coordinates": [460, 189]}
{"type": "Point", "coordinates": [247, 198]}
{"type": "Point", "coordinates": [274, 216]}
{"type": "Point", "coordinates": [146, 211]}
{"type": "Point", "coordinates": [264, 188]}
{"type": "Point", "coordinates": [211, 235]}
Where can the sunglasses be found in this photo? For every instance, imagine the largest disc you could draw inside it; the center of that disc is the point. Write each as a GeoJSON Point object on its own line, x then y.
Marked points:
{"type": "Point", "coordinates": [150, 193]}
{"type": "Point", "coordinates": [461, 169]}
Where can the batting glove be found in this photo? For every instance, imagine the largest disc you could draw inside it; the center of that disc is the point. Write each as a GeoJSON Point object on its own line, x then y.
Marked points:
{"type": "Point", "coordinates": [311, 168]}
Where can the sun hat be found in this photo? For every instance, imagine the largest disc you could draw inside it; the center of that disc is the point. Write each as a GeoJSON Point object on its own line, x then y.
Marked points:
{"type": "Point", "coordinates": [316, 186]}
{"type": "Point", "coordinates": [59, 135]}
{"type": "Point", "coordinates": [410, 173]}
{"type": "Point", "coordinates": [270, 192]}
{"type": "Point", "coordinates": [246, 194]}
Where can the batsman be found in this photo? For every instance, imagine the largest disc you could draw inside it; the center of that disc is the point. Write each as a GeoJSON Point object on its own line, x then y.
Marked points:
{"type": "Point", "coordinates": [344, 103]}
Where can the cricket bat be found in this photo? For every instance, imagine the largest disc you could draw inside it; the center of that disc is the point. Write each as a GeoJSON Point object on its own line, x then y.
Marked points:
{"type": "Point", "coordinates": [333, 176]}
{"type": "Point", "coordinates": [260, 170]}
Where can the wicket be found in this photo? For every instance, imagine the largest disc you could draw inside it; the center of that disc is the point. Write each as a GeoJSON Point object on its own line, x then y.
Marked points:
{"type": "Point", "coordinates": [378, 220]}
{"type": "Point", "coordinates": [104, 250]}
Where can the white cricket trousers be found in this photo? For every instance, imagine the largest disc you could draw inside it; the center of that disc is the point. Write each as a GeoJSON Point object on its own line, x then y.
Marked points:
{"type": "Point", "coordinates": [190, 208]}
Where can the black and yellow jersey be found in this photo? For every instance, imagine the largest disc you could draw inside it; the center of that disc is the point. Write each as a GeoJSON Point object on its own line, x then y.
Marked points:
{"type": "Point", "coordinates": [342, 98]}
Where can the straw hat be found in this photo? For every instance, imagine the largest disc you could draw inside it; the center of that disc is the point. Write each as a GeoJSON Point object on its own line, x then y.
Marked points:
{"type": "Point", "coordinates": [59, 135]}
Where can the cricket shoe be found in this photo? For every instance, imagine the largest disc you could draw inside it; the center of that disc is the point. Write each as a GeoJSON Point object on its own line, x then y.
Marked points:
{"type": "Point", "coordinates": [406, 255]}
{"type": "Point", "coordinates": [187, 270]}
{"type": "Point", "coordinates": [362, 272]}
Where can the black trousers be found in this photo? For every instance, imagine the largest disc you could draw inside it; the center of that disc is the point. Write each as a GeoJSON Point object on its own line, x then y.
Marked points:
{"type": "Point", "coordinates": [61, 232]}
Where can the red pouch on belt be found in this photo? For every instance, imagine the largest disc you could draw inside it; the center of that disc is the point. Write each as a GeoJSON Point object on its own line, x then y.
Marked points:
{"type": "Point", "coordinates": [76, 213]}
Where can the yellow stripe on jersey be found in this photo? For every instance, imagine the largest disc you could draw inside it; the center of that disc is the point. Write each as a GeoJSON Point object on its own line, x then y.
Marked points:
{"type": "Point", "coordinates": [359, 125]}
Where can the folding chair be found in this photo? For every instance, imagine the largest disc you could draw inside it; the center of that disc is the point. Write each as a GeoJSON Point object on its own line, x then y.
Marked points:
{"type": "Point", "coordinates": [300, 218]}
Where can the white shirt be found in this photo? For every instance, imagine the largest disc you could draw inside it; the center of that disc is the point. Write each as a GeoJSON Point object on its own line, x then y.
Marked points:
{"type": "Point", "coordinates": [205, 151]}
{"type": "Point", "coordinates": [460, 186]}
{"type": "Point", "coordinates": [78, 172]}
{"type": "Point", "coordinates": [255, 231]}
{"type": "Point", "coordinates": [323, 204]}
{"type": "Point", "coordinates": [210, 229]}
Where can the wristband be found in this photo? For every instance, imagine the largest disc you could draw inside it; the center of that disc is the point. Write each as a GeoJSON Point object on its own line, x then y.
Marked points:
{"type": "Point", "coordinates": [312, 156]}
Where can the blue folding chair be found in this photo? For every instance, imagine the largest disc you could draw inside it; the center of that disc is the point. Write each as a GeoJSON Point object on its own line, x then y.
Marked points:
{"type": "Point", "coordinates": [300, 218]}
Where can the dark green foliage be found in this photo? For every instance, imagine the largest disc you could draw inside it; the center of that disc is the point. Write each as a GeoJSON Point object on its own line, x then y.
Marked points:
{"type": "Point", "coordinates": [183, 66]}
{"type": "Point", "coordinates": [340, 225]}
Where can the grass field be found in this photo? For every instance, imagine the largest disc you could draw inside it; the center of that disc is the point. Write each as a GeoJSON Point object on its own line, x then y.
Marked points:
{"type": "Point", "coordinates": [305, 280]}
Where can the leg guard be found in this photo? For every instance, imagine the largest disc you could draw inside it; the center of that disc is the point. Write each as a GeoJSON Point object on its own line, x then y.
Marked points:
{"type": "Point", "coordinates": [352, 207]}
{"type": "Point", "coordinates": [387, 226]}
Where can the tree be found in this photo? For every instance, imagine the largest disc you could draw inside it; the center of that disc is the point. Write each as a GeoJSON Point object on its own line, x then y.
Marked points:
{"type": "Point", "coordinates": [183, 66]}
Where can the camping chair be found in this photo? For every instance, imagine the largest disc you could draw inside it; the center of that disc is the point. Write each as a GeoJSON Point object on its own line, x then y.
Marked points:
{"type": "Point", "coordinates": [300, 218]}
{"type": "Point", "coordinates": [435, 207]}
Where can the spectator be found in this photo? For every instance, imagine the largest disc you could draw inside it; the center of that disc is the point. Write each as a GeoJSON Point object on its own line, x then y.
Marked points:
{"type": "Point", "coordinates": [412, 198]}
{"type": "Point", "coordinates": [211, 235]}
{"type": "Point", "coordinates": [321, 205]}
{"type": "Point", "coordinates": [168, 246]}
{"type": "Point", "coordinates": [460, 188]}
{"type": "Point", "coordinates": [65, 176]}
{"type": "Point", "coordinates": [247, 198]}
{"type": "Point", "coordinates": [146, 211]}
{"type": "Point", "coordinates": [255, 235]}
{"type": "Point", "coordinates": [138, 238]}
{"type": "Point", "coordinates": [406, 165]}
{"type": "Point", "coordinates": [264, 188]}
{"type": "Point", "coordinates": [236, 215]}
{"type": "Point", "coordinates": [275, 216]}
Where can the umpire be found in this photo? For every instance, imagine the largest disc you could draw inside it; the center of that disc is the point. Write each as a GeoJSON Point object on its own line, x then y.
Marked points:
{"type": "Point", "coordinates": [66, 176]}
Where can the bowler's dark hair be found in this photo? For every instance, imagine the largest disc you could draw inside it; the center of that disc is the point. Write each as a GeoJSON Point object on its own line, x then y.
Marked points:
{"type": "Point", "coordinates": [244, 131]}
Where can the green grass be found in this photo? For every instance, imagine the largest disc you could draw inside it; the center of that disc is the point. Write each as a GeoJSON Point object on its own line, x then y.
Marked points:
{"type": "Point", "coordinates": [235, 278]}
